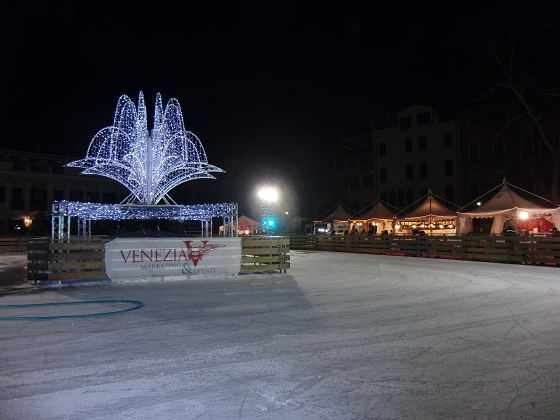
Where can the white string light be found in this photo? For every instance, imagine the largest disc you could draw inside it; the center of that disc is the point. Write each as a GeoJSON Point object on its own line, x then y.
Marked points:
{"type": "Point", "coordinates": [95, 211]}
{"type": "Point", "coordinates": [148, 164]}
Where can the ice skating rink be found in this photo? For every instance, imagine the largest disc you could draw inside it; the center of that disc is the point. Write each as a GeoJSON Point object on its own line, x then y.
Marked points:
{"type": "Point", "coordinates": [341, 336]}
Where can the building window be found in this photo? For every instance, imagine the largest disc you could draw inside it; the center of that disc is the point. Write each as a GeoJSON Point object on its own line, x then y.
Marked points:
{"type": "Point", "coordinates": [382, 149]}
{"type": "Point", "coordinates": [408, 145]}
{"type": "Point", "coordinates": [76, 196]}
{"type": "Point", "coordinates": [448, 165]}
{"type": "Point", "coordinates": [58, 195]}
{"type": "Point", "coordinates": [447, 139]}
{"type": "Point", "coordinates": [422, 143]}
{"type": "Point", "coordinates": [498, 151]}
{"type": "Point", "coordinates": [368, 182]}
{"type": "Point", "coordinates": [423, 170]}
{"type": "Point", "coordinates": [38, 199]}
{"type": "Point", "coordinates": [2, 194]}
{"type": "Point", "coordinates": [474, 151]}
{"type": "Point", "coordinates": [38, 165]}
{"type": "Point", "coordinates": [405, 122]}
{"type": "Point", "coordinates": [345, 183]}
{"type": "Point", "coordinates": [17, 202]}
{"type": "Point", "coordinates": [19, 165]}
{"type": "Point", "coordinates": [92, 197]}
{"type": "Point", "coordinates": [364, 160]}
{"type": "Point", "coordinates": [354, 183]}
{"type": "Point", "coordinates": [383, 174]}
{"type": "Point", "coordinates": [409, 171]}
{"type": "Point", "coordinates": [423, 118]}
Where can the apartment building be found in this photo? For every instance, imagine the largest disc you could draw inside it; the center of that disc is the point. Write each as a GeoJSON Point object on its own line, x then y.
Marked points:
{"type": "Point", "coordinates": [398, 164]}
{"type": "Point", "coordinates": [419, 154]}
{"type": "Point", "coordinates": [501, 140]}
{"type": "Point", "coordinates": [30, 182]}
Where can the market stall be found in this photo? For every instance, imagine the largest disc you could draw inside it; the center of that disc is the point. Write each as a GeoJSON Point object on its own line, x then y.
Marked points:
{"type": "Point", "coordinates": [334, 219]}
{"type": "Point", "coordinates": [246, 226]}
{"type": "Point", "coordinates": [511, 211]}
{"type": "Point", "coordinates": [431, 217]}
{"type": "Point", "coordinates": [374, 221]}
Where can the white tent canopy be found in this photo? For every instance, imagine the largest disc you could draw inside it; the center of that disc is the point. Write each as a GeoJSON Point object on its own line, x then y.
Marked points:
{"type": "Point", "coordinates": [247, 226]}
{"type": "Point", "coordinates": [507, 207]}
{"type": "Point", "coordinates": [431, 214]}
{"type": "Point", "coordinates": [379, 215]}
{"type": "Point", "coordinates": [336, 218]}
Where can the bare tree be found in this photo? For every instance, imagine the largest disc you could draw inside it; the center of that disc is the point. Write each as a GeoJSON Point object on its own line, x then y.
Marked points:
{"type": "Point", "coordinates": [518, 58]}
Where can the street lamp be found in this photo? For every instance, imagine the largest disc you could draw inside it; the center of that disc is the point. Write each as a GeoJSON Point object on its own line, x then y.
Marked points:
{"type": "Point", "coordinates": [268, 198]}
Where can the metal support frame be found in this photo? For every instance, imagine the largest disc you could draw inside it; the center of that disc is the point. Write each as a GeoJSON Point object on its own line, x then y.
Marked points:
{"type": "Point", "coordinates": [60, 221]}
{"type": "Point", "coordinates": [63, 211]}
{"type": "Point", "coordinates": [84, 228]}
{"type": "Point", "coordinates": [206, 228]}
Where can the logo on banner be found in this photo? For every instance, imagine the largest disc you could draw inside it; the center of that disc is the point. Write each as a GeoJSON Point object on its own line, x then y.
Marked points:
{"type": "Point", "coordinates": [197, 253]}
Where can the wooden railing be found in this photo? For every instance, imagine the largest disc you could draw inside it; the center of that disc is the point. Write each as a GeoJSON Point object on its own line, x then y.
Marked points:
{"type": "Point", "coordinates": [265, 253]}
{"type": "Point", "coordinates": [14, 245]}
{"type": "Point", "coordinates": [543, 250]}
{"type": "Point", "coordinates": [59, 260]}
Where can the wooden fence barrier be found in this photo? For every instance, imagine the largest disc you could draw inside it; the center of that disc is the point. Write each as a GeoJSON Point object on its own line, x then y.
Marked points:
{"type": "Point", "coordinates": [264, 253]}
{"type": "Point", "coordinates": [544, 250]}
{"type": "Point", "coordinates": [14, 245]}
{"type": "Point", "coordinates": [58, 260]}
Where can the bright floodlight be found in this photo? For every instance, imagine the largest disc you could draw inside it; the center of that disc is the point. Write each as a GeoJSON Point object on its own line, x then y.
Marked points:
{"type": "Point", "coordinates": [268, 194]}
{"type": "Point", "coordinates": [148, 164]}
{"type": "Point", "coordinates": [523, 215]}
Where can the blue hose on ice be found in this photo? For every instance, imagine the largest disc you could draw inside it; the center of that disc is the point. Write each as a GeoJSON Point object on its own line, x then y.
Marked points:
{"type": "Point", "coordinates": [84, 302]}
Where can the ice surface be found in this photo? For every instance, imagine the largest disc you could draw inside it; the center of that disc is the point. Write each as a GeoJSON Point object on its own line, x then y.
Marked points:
{"type": "Point", "coordinates": [341, 336]}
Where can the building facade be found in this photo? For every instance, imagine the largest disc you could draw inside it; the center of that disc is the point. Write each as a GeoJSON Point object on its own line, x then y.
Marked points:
{"type": "Point", "coordinates": [501, 140]}
{"type": "Point", "coordinates": [398, 165]}
{"type": "Point", "coordinates": [349, 176]}
{"type": "Point", "coordinates": [419, 154]}
{"type": "Point", "coordinates": [30, 182]}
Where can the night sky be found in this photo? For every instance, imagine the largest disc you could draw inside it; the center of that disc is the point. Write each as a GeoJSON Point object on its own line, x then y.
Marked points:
{"type": "Point", "coordinates": [267, 79]}
{"type": "Point", "coordinates": [246, 73]}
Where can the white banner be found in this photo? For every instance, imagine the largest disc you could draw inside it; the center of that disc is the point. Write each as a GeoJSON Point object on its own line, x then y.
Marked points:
{"type": "Point", "coordinates": [172, 258]}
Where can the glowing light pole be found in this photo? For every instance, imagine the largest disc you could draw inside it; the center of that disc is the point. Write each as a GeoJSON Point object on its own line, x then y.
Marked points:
{"type": "Point", "coordinates": [268, 198]}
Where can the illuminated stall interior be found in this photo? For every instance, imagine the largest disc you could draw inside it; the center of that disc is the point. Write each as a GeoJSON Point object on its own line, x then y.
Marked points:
{"type": "Point", "coordinates": [431, 217]}
{"type": "Point", "coordinates": [508, 210]}
{"type": "Point", "coordinates": [246, 226]}
{"type": "Point", "coordinates": [374, 221]}
{"type": "Point", "coordinates": [335, 219]}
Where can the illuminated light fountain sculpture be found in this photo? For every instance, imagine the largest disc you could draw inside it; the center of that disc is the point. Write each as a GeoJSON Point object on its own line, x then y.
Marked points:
{"type": "Point", "coordinates": [149, 165]}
